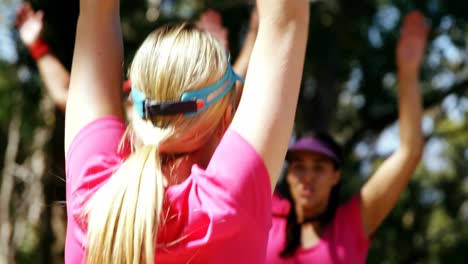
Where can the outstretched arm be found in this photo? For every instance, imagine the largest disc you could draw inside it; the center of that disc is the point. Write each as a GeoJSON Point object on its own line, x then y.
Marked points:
{"type": "Point", "coordinates": [96, 76]}
{"type": "Point", "coordinates": [266, 111]}
{"type": "Point", "coordinates": [380, 194]}
{"type": "Point", "coordinates": [56, 78]}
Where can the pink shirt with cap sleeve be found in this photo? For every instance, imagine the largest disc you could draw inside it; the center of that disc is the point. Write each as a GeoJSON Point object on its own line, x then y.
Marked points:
{"type": "Point", "coordinates": [343, 240]}
{"type": "Point", "coordinates": [220, 214]}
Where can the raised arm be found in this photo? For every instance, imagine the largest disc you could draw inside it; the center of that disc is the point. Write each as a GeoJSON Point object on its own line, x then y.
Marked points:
{"type": "Point", "coordinates": [54, 75]}
{"type": "Point", "coordinates": [96, 76]}
{"type": "Point", "coordinates": [56, 79]}
{"type": "Point", "coordinates": [211, 21]}
{"type": "Point", "coordinates": [380, 194]}
{"type": "Point", "coordinates": [266, 111]}
{"type": "Point", "coordinates": [242, 61]}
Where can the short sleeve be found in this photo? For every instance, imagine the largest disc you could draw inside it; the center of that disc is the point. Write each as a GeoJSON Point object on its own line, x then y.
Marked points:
{"type": "Point", "coordinates": [92, 158]}
{"type": "Point", "coordinates": [215, 203]}
{"type": "Point", "coordinates": [349, 220]}
{"type": "Point", "coordinates": [238, 170]}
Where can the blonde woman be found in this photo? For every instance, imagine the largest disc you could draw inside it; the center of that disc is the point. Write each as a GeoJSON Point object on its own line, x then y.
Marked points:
{"type": "Point", "coordinates": [192, 180]}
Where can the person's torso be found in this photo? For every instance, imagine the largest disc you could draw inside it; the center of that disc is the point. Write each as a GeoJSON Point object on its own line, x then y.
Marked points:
{"type": "Point", "coordinates": [191, 234]}
{"type": "Point", "coordinates": [341, 241]}
{"type": "Point", "coordinates": [220, 214]}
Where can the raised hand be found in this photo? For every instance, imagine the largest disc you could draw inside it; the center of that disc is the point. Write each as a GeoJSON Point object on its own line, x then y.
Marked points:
{"type": "Point", "coordinates": [29, 24]}
{"type": "Point", "coordinates": [211, 21]}
{"type": "Point", "coordinates": [412, 43]}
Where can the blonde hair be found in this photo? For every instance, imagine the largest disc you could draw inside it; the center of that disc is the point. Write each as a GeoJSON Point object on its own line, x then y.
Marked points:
{"type": "Point", "coordinates": [124, 214]}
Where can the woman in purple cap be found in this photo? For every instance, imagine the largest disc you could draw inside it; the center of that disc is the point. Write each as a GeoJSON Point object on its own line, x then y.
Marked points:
{"type": "Point", "coordinates": [309, 226]}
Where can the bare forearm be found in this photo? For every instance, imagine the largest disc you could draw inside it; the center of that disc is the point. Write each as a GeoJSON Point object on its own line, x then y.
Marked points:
{"type": "Point", "coordinates": [102, 7]}
{"type": "Point", "coordinates": [55, 77]}
{"type": "Point", "coordinates": [410, 114]}
{"type": "Point", "coordinates": [380, 194]}
{"type": "Point", "coordinates": [242, 62]}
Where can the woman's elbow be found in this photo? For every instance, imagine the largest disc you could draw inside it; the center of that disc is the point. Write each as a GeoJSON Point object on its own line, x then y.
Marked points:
{"type": "Point", "coordinates": [414, 151]}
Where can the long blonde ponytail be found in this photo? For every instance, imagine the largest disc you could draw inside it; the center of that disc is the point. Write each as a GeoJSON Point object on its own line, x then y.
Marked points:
{"type": "Point", "coordinates": [124, 213]}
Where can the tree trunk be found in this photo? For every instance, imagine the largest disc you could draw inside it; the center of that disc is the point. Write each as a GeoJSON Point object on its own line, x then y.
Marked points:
{"type": "Point", "coordinates": [6, 191]}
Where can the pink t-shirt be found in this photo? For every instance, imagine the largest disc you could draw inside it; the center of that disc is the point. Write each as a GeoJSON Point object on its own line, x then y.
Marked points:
{"type": "Point", "coordinates": [343, 240]}
{"type": "Point", "coordinates": [218, 215]}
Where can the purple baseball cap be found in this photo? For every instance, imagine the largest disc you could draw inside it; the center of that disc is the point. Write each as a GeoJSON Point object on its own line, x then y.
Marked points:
{"type": "Point", "coordinates": [311, 144]}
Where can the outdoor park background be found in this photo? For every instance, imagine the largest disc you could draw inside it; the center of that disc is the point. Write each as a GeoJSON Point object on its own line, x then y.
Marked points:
{"type": "Point", "coordinates": [349, 88]}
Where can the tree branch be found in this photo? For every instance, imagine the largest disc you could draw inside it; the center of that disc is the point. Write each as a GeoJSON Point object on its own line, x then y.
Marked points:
{"type": "Point", "coordinates": [6, 191]}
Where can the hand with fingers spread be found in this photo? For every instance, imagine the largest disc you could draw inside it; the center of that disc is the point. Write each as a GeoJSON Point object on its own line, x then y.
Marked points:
{"type": "Point", "coordinates": [29, 24]}
{"type": "Point", "coordinates": [412, 43]}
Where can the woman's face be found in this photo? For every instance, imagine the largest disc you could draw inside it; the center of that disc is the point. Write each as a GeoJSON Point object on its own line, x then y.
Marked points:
{"type": "Point", "coordinates": [310, 177]}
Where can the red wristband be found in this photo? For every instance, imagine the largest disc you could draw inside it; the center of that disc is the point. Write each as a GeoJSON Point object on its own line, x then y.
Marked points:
{"type": "Point", "coordinates": [38, 49]}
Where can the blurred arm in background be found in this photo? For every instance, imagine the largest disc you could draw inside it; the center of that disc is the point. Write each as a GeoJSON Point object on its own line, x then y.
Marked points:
{"type": "Point", "coordinates": [211, 21]}
{"type": "Point", "coordinates": [54, 75]}
{"type": "Point", "coordinates": [381, 192]}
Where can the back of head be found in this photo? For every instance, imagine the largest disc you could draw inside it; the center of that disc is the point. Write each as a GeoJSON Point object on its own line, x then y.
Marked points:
{"type": "Point", "coordinates": [124, 214]}
{"type": "Point", "coordinates": [173, 60]}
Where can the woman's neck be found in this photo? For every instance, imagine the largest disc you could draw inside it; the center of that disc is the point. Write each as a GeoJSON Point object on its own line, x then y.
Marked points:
{"type": "Point", "coordinates": [179, 167]}
{"type": "Point", "coordinates": [310, 234]}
